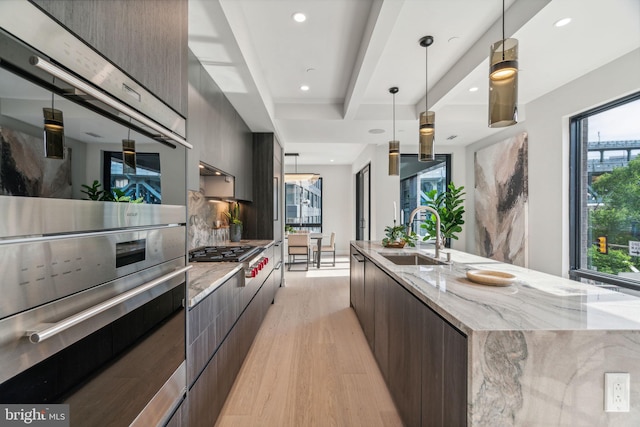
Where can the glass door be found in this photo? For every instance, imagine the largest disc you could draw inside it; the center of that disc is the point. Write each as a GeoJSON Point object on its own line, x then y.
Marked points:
{"type": "Point", "coordinates": [363, 204]}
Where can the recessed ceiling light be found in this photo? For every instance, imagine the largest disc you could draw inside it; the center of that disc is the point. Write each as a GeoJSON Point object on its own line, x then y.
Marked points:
{"type": "Point", "coordinates": [374, 131]}
{"type": "Point", "coordinates": [299, 17]}
{"type": "Point", "coordinates": [332, 160]}
{"type": "Point", "coordinates": [473, 89]}
{"type": "Point", "coordinates": [562, 22]}
{"type": "Point", "coordinates": [304, 88]}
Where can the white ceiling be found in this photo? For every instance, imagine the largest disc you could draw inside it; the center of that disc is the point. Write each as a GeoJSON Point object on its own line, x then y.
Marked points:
{"type": "Point", "coordinates": [350, 52]}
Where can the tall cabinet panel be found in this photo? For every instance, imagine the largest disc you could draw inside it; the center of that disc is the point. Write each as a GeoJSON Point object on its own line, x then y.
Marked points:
{"type": "Point", "coordinates": [368, 320]}
{"type": "Point", "coordinates": [265, 220]}
{"type": "Point", "coordinates": [405, 346]}
{"type": "Point", "coordinates": [218, 134]}
{"type": "Point", "coordinates": [147, 39]}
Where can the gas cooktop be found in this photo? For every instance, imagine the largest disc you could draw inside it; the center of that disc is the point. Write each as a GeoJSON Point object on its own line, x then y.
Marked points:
{"type": "Point", "coordinates": [222, 253]}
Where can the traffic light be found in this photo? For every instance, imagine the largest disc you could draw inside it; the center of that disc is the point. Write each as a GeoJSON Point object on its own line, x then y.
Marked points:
{"type": "Point", "coordinates": [602, 245]}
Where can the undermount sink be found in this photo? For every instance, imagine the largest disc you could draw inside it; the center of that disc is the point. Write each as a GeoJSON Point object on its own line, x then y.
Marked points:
{"type": "Point", "coordinates": [412, 259]}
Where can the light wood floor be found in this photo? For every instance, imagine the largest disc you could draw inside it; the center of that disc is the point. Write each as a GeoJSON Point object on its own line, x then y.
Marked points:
{"type": "Point", "coordinates": [310, 364]}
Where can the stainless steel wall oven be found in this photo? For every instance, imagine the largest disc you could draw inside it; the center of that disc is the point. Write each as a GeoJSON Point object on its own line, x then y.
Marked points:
{"type": "Point", "coordinates": [92, 311]}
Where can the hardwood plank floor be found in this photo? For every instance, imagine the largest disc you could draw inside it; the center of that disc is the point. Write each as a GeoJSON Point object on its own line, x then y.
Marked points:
{"type": "Point", "coordinates": [310, 364]}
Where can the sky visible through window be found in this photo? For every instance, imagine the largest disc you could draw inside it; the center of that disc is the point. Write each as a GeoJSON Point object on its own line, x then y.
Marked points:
{"type": "Point", "coordinates": [618, 124]}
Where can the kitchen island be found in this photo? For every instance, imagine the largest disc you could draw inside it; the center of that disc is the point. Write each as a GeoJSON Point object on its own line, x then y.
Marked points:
{"type": "Point", "coordinates": [532, 353]}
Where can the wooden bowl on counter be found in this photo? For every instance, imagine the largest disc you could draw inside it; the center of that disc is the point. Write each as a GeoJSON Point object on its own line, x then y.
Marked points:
{"type": "Point", "coordinates": [491, 277]}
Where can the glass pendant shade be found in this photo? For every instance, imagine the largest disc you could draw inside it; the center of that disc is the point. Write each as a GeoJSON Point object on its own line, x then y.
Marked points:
{"type": "Point", "coordinates": [427, 136]}
{"type": "Point", "coordinates": [394, 158]}
{"type": "Point", "coordinates": [53, 133]}
{"type": "Point", "coordinates": [503, 84]}
{"type": "Point", "coordinates": [128, 156]}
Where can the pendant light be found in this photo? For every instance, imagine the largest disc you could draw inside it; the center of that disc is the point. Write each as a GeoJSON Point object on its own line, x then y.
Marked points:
{"type": "Point", "coordinates": [427, 118]}
{"type": "Point", "coordinates": [394, 146]}
{"type": "Point", "coordinates": [503, 81]}
{"type": "Point", "coordinates": [53, 132]}
{"type": "Point", "coordinates": [293, 177]}
{"type": "Point", "coordinates": [129, 154]}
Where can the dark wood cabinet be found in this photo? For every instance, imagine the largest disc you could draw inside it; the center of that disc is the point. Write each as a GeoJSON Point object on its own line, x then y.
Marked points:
{"type": "Point", "coordinates": [221, 330]}
{"type": "Point", "coordinates": [218, 134]}
{"type": "Point", "coordinates": [357, 282]}
{"type": "Point", "coordinates": [179, 417]}
{"type": "Point", "coordinates": [405, 347]}
{"type": "Point", "coordinates": [147, 39]}
{"type": "Point", "coordinates": [265, 217]}
{"type": "Point", "coordinates": [422, 357]}
{"type": "Point", "coordinates": [382, 305]}
{"type": "Point", "coordinates": [432, 369]}
{"type": "Point", "coordinates": [368, 304]}
{"type": "Point", "coordinates": [454, 395]}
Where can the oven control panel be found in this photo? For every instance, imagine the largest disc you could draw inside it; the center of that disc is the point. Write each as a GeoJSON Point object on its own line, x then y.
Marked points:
{"type": "Point", "coordinates": [254, 267]}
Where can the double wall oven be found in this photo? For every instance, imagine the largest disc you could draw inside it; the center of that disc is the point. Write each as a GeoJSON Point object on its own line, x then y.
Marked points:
{"type": "Point", "coordinates": [92, 312]}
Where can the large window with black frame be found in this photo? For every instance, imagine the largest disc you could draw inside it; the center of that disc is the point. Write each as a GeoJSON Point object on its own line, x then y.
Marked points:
{"type": "Point", "coordinates": [605, 195]}
{"type": "Point", "coordinates": [303, 203]}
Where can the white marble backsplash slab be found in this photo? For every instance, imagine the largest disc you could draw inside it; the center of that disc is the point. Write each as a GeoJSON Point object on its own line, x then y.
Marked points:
{"type": "Point", "coordinates": [202, 214]}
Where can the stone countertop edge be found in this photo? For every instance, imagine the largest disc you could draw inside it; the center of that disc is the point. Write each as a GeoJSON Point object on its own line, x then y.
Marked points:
{"type": "Point", "coordinates": [536, 301]}
{"type": "Point", "coordinates": [206, 277]}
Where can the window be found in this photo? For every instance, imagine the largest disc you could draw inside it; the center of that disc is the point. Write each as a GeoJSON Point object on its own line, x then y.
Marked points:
{"type": "Point", "coordinates": [303, 201]}
{"type": "Point", "coordinates": [145, 182]}
{"type": "Point", "coordinates": [417, 179]}
{"type": "Point", "coordinates": [605, 194]}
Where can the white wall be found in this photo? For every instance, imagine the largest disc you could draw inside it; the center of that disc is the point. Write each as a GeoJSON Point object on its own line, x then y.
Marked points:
{"type": "Point", "coordinates": [547, 123]}
{"type": "Point", "coordinates": [338, 214]}
{"type": "Point", "coordinates": [385, 189]}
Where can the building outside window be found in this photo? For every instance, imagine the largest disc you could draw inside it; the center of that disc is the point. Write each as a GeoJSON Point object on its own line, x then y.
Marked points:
{"type": "Point", "coordinates": [416, 180]}
{"type": "Point", "coordinates": [605, 191]}
{"type": "Point", "coordinates": [144, 182]}
{"type": "Point", "coordinates": [303, 200]}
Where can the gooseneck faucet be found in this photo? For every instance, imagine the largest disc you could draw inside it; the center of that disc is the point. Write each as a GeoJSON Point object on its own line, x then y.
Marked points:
{"type": "Point", "coordinates": [433, 211]}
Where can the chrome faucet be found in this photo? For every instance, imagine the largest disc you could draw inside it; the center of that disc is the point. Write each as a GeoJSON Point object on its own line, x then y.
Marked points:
{"type": "Point", "coordinates": [435, 212]}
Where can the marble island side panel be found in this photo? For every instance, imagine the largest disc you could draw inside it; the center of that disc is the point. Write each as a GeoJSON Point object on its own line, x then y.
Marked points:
{"type": "Point", "coordinates": [538, 349]}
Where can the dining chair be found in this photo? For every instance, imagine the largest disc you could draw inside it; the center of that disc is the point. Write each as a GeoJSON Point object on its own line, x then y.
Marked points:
{"type": "Point", "coordinates": [331, 247]}
{"type": "Point", "coordinates": [298, 245]}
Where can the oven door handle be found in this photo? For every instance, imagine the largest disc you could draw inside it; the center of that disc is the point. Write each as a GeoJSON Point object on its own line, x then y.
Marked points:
{"type": "Point", "coordinates": [36, 336]}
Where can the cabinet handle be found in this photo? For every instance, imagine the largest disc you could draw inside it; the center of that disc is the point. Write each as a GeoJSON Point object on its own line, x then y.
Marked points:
{"type": "Point", "coordinates": [355, 256]}
{"type": "Point", "coordinates": [112, 102]}
{"type": "Point", "coordinates": [56, 328]}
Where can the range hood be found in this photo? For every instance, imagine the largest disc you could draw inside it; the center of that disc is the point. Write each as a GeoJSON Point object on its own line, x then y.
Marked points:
{"type": "Point", "coordinates": [216, 184]}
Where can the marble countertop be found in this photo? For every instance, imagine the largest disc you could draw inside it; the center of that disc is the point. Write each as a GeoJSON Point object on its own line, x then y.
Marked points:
{"type": "Point", "coordinates": [205, 277]}
{"type": "Point", "coordinates": [536, 301]}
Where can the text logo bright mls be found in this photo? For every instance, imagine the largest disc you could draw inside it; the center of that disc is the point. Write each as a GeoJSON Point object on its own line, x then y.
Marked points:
{"type": "Point", "coordinates": [35, 415]}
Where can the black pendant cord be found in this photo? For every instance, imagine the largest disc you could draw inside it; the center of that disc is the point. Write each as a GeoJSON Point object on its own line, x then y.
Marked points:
{"type": "Point", "coordinates": [394, 116]}
{"type": "Point", "coordinates": [426, 80]}
{"type": "Point", "coordinates": [54, 83]}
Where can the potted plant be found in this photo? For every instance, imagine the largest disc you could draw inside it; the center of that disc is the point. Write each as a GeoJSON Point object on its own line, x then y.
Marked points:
{"type": "Point", "coordinates": [235, 225]}
{"type": "Point", "coordinates": [450, 207]}
{"type": "Point", "coordinates": [397, 237]}
{"type": "Point", "coordinates": [94, 192]}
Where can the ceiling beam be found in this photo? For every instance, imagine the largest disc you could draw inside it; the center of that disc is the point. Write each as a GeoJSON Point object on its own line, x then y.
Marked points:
{"type": "Point", "coordinates": [382, 20]}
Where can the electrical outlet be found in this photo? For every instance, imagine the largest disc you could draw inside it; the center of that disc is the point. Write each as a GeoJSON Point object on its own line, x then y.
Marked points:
{"type": "Point", "coordinates": [616, 392]}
